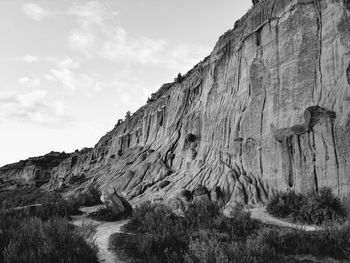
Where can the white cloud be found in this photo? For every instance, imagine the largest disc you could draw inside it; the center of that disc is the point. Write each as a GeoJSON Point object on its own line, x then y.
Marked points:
{"type": "Point", "coordinates": [27, 58]}
{"type": "Point", "coordinates": [90, 13]}
{"type": "Point", "coordinates": [32, 107]}
{"type": "Point", "coordinates": [75, 81]}
{"type": "Point", "coordinates": [66, 63]}
{"type": "Point", "coordinates": [97, 35]}
{"type": "Point", "coordinates": [83, 41]}
{"type": "Point", "coordinates": [36, 12]}
{"type": "Point", "coordinates": [64, 71]}
{"type": "Point", "coordinates": [120, 46]}
{"type": "Point", "coordinates": [30, 82]}
{"type": "Point", "coordinates": [66, 75]}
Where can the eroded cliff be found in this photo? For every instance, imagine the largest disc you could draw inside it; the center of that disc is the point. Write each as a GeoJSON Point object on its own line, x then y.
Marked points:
{"type": "Point", "coordinates": [267, 110]}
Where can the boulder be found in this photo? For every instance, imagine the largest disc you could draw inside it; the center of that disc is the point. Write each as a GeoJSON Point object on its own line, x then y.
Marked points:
{"type": "Point", "coordinates": [119, 205]}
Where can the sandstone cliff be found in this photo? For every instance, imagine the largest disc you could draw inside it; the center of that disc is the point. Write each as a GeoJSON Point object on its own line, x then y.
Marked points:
{"type": "Point", "coordinates": [34, 170]}
{"type": "Point", "coordinates": [267, 110]}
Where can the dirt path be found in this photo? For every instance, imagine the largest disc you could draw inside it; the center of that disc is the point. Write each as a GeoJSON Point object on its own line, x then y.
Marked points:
{"type": "Point", "coordinates": [103, 231]}
{"type": "Point", "coordinates": [259, 213]}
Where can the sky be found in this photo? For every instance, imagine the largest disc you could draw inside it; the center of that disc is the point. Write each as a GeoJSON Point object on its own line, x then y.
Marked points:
{"type": "Point", "coordinates": [70, 69]}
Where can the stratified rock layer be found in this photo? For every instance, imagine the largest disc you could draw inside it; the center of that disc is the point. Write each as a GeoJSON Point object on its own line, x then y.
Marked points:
{"type": "Point", "coordinates": [267, 110]}
{"type": "Point", "coordinates": [35, 170]}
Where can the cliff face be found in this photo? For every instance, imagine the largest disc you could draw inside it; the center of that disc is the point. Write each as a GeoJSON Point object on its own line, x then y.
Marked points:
{"type": "Point", "coordinates": [35, 170]}
{"type": "Point", "coordinates": [267, 110]}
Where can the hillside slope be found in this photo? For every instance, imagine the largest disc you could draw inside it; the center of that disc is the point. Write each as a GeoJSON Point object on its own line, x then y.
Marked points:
{"type": "Point", "coordinates": [267, 110]}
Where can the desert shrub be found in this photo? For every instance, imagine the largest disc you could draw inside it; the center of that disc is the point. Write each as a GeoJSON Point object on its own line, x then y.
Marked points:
{"type": "Point", "coordinates": [285, 204]}
{"type": "Point", "coordinates": [179, 78]}
{"type": "Point", "coordinates": [52, 241]}
{"type": "Point", "coordinates": [161, 236]}
{"type": "Point", "coordinates": [201, 215]}
{"type": "Point", "coordinates": [206, 250]}
{"type": "Point", "coordinates": [54, 206]}
{"type": "Point", "coordinates": [87, 231]}
{"type": "Point", "coordinates": [149, 247]}
{"type": "Point", "coordinates": [334, 241]}
{"type": "Point", "coordinates": [240, 224]}
{"type": "Point", "coordinates": [88, 197]}
{"type": "Point", "coordinates": [312, 208]}
{"type": "Point", "coordinates": [21, 197]}
{"type": "Point", "coordinates": [106, 214]}
{"type": "Point", "coordinates": [9, 223]}
{"type": "Point", "coordinates": [154, 218]}
{"type": "Point", "coordinates": [29, 233]}
{"type": "Point", "coordinates": [322, 206]}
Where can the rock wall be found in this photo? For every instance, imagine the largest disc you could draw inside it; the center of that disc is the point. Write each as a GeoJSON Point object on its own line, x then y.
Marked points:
{"type": "Point", "coordinates": [268, 110]}
{"type": "Point", "coordinates": [33, 171]}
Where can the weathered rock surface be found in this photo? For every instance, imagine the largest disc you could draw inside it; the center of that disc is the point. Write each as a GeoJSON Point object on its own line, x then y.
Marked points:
{"type": "Point", "coordinates": [117, 203]}
{"type": "Point", "coordinates": [267, 110]}
{"type": "Point", "coordinates": [35, 170]}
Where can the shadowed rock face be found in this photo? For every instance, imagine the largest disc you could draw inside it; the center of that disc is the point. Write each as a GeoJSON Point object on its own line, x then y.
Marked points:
{"type": "Point", "coordinates": [267, 110]}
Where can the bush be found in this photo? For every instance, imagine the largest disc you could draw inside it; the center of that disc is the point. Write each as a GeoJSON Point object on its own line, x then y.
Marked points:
{"type": "Point", "coordinates": [311, 208]}
{"type": "Point", "coordinates": [285, 204]}
{"type": "Point", "coordinates": [161, 236]}
{"type": "Point", "coordinates": [203, 234]}
{"type": "Point", "coordinates": [54, 206]}
{"type": "Point", "coordinates": [88, 197]}
{"type": "Point", "coordinates": [154, 218]}
{"type": "Point", "coordinates": [322, 207]}
{"type": "Point", "coordinates": [106, 214]}
{"type": "Point", "coordinates": [201, 215]}
{"type": "Point", "coordinates": [206, 250]}
{"type": "Point", "coordinates": [52, 241]}
{"type": "Point", "coordinates": [209, 248]}
{"type": "Point", "coordinates": [21, 197]}
{"type": "Point", "coordinates": [334, 241]}
{"type": "Point", "coordinates": [9, 222]}
{"type": "Point", "coordinates": [43, 234]}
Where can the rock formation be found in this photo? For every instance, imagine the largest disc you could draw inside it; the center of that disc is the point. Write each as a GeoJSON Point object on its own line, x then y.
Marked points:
{"type": "Point", "coordinates": [35, 170]}
{"type": "Point", "coordinates": [268, 110]}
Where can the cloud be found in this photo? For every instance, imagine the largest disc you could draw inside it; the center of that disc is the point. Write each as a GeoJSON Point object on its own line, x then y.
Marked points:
{"type": "Point", "coordinates": [26, 58]}
{"type": "Point", "coordinates": [32, 107]}
{"type": "Point", "coordinates": [30, 82]}
{"type": "Point", "coordinates": [71, 81]}
{"type": "Point", "coordinates": [66, 75]}
{"type": "Point", "coordinates": [90, 13]}
{"type": "Point", "coordinates": [83, 41]}
{"type": "Point", "coordinates": [120, 46]}
{"type": "Point", "coordinates": [98, 35]}
{"type": "Point", "coordinates": [65, 62]}
{"type": "Point", "coordinates": [36, 12]}
{"type": "Point", "coordinates": [66, 72]}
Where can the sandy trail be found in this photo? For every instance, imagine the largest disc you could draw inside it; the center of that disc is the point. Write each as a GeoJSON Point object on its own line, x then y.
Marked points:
{"type": "Point", "coordinates": [103, 231]}
{"type": "Point", "coordinates": [259, 213]}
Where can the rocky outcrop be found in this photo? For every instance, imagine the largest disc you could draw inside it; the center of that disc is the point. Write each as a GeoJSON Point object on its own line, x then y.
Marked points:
{"type": "Point", "coordinates": [35, 170]}
{"type": "Point", "coordinates": [120, 207]}
{"type": "Point", "coordinates": [268, 110]}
